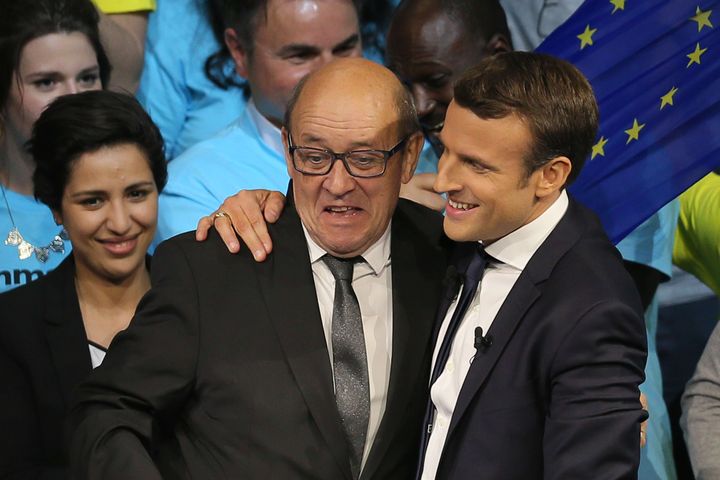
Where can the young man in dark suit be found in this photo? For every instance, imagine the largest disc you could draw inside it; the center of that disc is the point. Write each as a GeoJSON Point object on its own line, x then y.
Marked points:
{"type": "Point", "coordinates": [538, 357]}
{"type": "Point", "coordinates": [310, 364]}
{"type": "Point", "coordinates": [538, 362]}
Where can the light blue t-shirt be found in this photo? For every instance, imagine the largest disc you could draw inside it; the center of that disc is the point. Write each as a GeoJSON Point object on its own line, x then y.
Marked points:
{"type": "Point", "coordinates": [35, 222]}
{"type": "Point", "coordinates": [186, 106]}
{"type": "Point", "coordinates": [200, 179]}
{"type": "Point", "coordinates": [651, 244]}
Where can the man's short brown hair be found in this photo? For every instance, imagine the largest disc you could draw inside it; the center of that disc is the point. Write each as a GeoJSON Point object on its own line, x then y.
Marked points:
{"type": "Point", "coordinates": [554, 99]}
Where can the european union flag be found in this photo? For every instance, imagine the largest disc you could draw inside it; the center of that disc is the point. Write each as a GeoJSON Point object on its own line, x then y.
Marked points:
{"type": "Point", "coordinates": [655, 69]}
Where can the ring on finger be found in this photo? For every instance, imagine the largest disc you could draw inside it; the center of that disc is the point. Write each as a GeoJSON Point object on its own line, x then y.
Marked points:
{"type": "Point", "coordinates": [220, 214]}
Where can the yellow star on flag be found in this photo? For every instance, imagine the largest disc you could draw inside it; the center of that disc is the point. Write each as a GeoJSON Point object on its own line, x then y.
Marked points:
{"type": "Point", "coordinates": [599, 148]}
{"type": "Point", "coordinates": [667, 99]}
{"type": "Point", "coordinates": [618, 4]}
{"type": "Point", "coordinates": [634, 132]}
{"type": "Point", "coordinates": [586, 37]}
{"type": "Point", "coordinates": [695, 56]}
{"type": "Point", "coordinates": [702, 18]}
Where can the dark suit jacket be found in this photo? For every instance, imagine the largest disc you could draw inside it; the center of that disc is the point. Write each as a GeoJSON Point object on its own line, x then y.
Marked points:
{"type": "Point", "coordinates": [234, 352]}
{"type": "Point", "coordinates": [43, 356]}
{"type": "Point", "coordinates": [556, 394]}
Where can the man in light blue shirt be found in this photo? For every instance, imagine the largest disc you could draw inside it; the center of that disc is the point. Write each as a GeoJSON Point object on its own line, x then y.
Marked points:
{"type": "Point", "coordinates": [274, 44]}
{"type": "Point", "coordinates": [213, 169]}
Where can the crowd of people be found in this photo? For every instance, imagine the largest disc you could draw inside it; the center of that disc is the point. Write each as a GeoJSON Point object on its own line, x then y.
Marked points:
{"type": "Point", "coordinates": [433, 305]}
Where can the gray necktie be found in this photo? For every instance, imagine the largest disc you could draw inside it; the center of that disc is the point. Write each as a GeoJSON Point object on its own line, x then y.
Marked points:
{"type": "Point", "coordinates": [352, 393]}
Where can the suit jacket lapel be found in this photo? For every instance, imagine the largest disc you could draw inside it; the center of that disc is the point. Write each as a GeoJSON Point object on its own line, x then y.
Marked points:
{"type": "Point", "coordinates": [525, 292]}
{"type": "Point", "coordinates": [414, 304]}
{"type": "Point", "coordinates": [286, 280]}
{"type": "Point", "coordinates": [64, 329]}
{"type": "Point", "coordinates": [521, 297]}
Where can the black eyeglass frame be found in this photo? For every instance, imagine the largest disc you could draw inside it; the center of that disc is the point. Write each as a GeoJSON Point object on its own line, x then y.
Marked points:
{"type": "Point", "coordinates": [387, 154]}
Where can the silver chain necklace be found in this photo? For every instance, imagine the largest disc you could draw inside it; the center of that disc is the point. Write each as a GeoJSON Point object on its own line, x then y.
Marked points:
{"type": "Point", "coordinates": [27, 249]}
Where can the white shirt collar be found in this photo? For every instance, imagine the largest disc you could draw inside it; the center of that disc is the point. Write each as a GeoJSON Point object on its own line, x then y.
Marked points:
{"type": "Point", "coordinates": [376, 256]}
{"type": "Point", "coordinates": [269, 133]}
{"type": "Point", "coordinates": [516, 248]}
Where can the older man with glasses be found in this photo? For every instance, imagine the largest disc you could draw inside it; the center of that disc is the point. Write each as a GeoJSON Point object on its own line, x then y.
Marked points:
{"type": "Point", "coordinates": [309, 365]}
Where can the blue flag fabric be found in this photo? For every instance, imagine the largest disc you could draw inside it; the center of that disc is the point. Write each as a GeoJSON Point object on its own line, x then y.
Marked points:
{"type": "Point", "coordinates": [655, 69]}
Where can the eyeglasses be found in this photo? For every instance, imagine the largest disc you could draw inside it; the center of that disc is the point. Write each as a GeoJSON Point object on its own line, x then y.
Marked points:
{"type": "Point", "coordinates": [358, 163]}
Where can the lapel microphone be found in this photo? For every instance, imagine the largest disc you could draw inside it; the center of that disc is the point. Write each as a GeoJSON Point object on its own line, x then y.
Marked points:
{"type": "Point", "coordinates": [481, 341]}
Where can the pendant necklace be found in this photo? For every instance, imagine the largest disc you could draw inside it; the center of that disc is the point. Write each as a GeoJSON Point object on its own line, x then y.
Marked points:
{"type": "Point", "coordinates": [27, 249]}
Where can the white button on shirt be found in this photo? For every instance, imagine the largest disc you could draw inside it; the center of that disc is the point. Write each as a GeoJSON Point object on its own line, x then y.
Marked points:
{"type": "Point", "coordinates": [372, 282]}
{"type": "Point", "coordinates": [512, 253]}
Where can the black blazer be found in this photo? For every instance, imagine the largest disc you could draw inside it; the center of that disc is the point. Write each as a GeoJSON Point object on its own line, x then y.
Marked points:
{"type": "Point", "coordinates": [43, 356]}
{"type": "Point", "coordinates": [231, 355]}
{"type": "Point", "coordinates": [556, 394]}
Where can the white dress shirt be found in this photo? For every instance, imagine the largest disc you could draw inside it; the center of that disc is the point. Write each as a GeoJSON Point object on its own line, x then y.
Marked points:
{"type": "Point", "coordinates": [372, 282]}
{"type": "Point", "coordinates": [269, 133]}
{"type": "Point", "coordinates": [512, 253]}
{"type": "Point", "coordinates": [97, 354]}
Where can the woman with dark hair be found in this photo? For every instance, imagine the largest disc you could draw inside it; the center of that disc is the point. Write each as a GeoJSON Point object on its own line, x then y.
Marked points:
{"type": "Point", "coordinates": [48, 48]}
{"type": "Point", "coordinates": [100, 166]}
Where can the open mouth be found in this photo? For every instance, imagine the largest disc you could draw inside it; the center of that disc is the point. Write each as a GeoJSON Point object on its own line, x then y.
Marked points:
{"type": "Point", "coordinates": [461, 206]}
{"type": "Point", "coordinates": [342, 210]}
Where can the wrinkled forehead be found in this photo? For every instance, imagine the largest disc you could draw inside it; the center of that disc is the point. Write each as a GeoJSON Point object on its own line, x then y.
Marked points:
{"type": "Point", "coordinates": [362, 115]}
